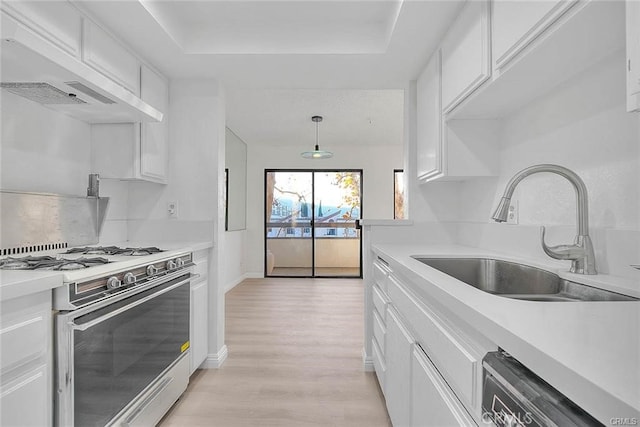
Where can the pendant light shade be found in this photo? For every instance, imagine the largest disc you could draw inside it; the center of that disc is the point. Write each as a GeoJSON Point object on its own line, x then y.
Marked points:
{"type": "Point", "coordinates": [317, 153]}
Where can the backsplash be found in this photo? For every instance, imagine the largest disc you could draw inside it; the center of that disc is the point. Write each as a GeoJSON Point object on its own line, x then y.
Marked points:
{"type": "Point", "coordinates": [615, 249]}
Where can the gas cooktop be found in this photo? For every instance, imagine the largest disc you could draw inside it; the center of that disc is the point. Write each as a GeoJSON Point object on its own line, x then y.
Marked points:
{"type": "Point", "coordinates": [114, 250]}
{"type": "Point", "coordinates": [49, 263]}
{"type": "Point", "coordinates": [69, 259]}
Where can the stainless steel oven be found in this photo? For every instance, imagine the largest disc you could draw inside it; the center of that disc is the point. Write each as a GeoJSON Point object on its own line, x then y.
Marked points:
{"type": "Point", "coordinates": [123, 354]}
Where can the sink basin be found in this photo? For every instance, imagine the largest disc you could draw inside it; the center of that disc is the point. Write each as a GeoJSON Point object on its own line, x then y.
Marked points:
{"type": "Point", "coordinates": [518, 281]}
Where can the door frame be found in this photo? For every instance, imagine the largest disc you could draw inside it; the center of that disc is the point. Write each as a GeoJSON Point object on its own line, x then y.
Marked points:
{"type": "Point", "coordinates": [313, 229]}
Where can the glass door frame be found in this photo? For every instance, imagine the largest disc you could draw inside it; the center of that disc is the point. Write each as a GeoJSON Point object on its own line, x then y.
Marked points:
{"type": "Point", "coordinates": [313, 274]}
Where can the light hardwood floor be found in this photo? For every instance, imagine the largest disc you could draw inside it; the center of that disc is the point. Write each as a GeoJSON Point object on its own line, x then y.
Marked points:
{"type": "Point", "coordinates": [295, 359]}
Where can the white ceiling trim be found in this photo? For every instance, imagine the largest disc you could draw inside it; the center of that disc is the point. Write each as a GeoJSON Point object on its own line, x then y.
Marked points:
{"type": "Point", "coordinates": [267, 27]}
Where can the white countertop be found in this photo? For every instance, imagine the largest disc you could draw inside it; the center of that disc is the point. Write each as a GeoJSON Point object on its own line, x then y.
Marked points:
{"type": "Point", "coordinates": [17, 283]}
{"type": "Point", "coordinates": [589, 351]}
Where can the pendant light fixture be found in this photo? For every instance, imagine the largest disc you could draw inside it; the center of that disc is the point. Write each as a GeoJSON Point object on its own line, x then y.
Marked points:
{"type": "Point", "coordinates": [317, 153]}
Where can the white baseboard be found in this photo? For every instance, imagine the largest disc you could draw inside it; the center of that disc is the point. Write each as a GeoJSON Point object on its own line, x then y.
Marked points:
{"type": "Point", "coordinates": [215, 360]}
{"type": "Point", "coordinates": [239, 280]}
{"type": "Point", "coordinates": [367, 362]}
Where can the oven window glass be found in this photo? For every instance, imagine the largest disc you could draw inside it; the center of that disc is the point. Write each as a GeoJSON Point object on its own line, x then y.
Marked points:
{"type": "Point", "coordinates": [116, 359]}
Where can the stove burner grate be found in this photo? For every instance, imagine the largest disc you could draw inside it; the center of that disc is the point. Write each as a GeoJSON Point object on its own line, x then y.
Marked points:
{"type": "Point", "coordinates": [49, 263]}
{"type": "Point", "coordinates": [114, 250]}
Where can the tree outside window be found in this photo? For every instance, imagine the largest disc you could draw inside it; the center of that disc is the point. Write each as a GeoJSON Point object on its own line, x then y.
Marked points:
{"type": "Point", "coordinates": [398, 194]}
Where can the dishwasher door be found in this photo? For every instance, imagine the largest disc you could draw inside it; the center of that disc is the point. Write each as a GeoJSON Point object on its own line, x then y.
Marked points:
{"type": "Point", "coordinates": [513, 396]}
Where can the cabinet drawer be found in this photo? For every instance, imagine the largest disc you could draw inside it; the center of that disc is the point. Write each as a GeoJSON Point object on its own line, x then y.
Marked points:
{"type": "Point", "coordinates": [379, 363]}
{"type": "Point", "coordinates": [432, 401]}
{"type": "Point", "coordinates": [25, 329]}
{"type": "Point", "coordinates": [24, 400]}
{"type": "Point", "coordinates": [380, 302]}
{"type": "Point", "coordinates": [202, 268]}
{"type": "Point", "coordinates": [457, 361]}
{"type": "Point", "coordinates": [379, 329]}
{"type": "Point", "coordinates": [380, 273]}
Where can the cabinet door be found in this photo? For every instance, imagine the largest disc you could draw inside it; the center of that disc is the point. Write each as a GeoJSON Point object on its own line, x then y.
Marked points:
{"type": "Point", "coordinates": [154, 91]}
{"type": "Point", "coordinates": [516, 24]}
{"type": "Point", "coordinates": [24, 401]}
{"type": "Point", "coordinates": [397, 383]}
{"type": "Point", "coordinates": [26, 354]}
{"type": "Point", "coordinates": [429, 121]}
{"type": "Point", "coordinates": [432, 401]}
{"type": "Point", "coordinates": [108, 56]}
{"type": "Point", "coordinates": [466, 61]}
{"type": "Point", "coordinates": [113, 150]}
{"type": "Point", "coordinates": [58, 22]}
{"type": "Point", "coordinates": [198, 327]}
{"type": "Point", "coordinates": [633, 55]}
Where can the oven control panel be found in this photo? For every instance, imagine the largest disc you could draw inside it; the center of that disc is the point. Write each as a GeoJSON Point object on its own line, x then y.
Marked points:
{"type": "Point", "coordinates": [83, 293]}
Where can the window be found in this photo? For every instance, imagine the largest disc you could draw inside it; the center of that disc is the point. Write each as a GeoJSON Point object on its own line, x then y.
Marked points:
{"type": "Point", "coordinates": [398, 194]}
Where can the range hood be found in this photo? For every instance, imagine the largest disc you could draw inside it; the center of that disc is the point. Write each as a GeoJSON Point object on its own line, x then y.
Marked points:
{"type": "Point", "coordinates": [37, 70]}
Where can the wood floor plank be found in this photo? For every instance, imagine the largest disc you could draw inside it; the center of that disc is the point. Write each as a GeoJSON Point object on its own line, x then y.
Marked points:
{"type": "Point", "coordinates": [295, 359]}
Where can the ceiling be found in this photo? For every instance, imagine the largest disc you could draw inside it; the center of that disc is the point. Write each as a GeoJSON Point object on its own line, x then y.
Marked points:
{"type": "Point", "coordinates": [283, 61]}
{"type": "Point", "coordinates": [282, 117]}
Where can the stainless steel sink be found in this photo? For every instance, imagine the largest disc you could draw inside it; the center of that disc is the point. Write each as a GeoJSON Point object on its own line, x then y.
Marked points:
{"type": "Point", "coordinates": [518, 281]}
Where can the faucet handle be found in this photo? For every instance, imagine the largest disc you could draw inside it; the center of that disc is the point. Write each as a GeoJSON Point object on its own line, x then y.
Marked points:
{"type": "Point", "coordinates": [570, 252]}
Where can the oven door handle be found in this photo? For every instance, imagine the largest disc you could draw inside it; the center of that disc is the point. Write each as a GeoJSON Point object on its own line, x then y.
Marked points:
{"type": "Point", "coordinates": [94, 322]}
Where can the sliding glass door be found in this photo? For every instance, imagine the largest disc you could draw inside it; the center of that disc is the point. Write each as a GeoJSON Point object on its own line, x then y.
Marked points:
{"type": "Point", "coordinates": [310, 223]}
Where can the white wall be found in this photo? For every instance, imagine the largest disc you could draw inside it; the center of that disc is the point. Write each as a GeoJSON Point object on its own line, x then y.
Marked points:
{"type": "Point", "coordinates": [46, 151]}
{"type": "Point", "coordinates": [42, 150]}
{"type": "Point", "coordinates": [234, 256]}
{"type": "Point", "coordinates": [582, 125]}
{"type": "Point", "coordinates": [194, 121]}
{"type": "Point", "coordinates": [377, 164]}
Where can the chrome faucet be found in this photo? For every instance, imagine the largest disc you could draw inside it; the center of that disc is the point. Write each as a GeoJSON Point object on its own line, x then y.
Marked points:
{"type": "Point", "coordinates": [581, 252]}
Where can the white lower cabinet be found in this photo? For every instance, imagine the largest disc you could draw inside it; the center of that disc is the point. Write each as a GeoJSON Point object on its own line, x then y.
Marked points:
{"type": "Point", "coordinates": [398, 345]}
{"type": "Point", "coordinates": [433, 404]}
{"type": "Point", "coordinates": [24, 399]}
{"type": "Point", "coordinates": [26, 390]}
{"type": "Point", "coordinates": [198, 333]}
{"type": "Point", "coordinates": [198, 323]}
{"type": "Point", "coordinates": [429, 365]}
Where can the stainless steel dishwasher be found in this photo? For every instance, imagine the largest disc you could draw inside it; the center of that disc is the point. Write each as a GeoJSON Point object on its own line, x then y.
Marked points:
{"type": "Point", "coordinates": [513, 396]}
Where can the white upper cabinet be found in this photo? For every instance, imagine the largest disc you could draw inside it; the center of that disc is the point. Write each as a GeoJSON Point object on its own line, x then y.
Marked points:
{"type": "Point", "coordinates": [516, 23]}
{"type": "Point", "coordinates": [536, 46]}
{"type": "Point", "coordinates": [466, 53]}
{"type": "Point", "coordinates": [429, 121]}
{"type": "Point", "coordinates": [154, 90]}
{"type": "Point", "coordinates": [58, 22]}
{"type": "Point", "coordinates": [108, 56]}
{"type": "Point", "coordinates": [633, 55]}
{"type": "Point", "coordinates": [135, 151]}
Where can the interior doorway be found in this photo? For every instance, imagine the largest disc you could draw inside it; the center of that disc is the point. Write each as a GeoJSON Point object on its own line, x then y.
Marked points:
{"type": "Point", "coordinates": [310, 223]}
